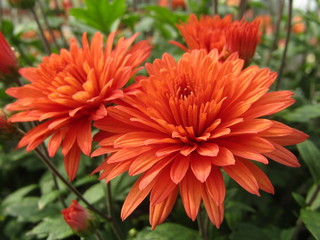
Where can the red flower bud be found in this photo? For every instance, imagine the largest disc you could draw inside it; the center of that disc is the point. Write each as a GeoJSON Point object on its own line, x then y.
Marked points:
{"type": "Point", "coordinates": [81, 220]}
{"type": "Point", "coordinates": [8, 63]}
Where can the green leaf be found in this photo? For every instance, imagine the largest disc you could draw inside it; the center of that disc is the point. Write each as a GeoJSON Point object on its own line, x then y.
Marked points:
{"type": "Point", "coordinates": [168, 231]}
{"type": "Point", "coordinates": [303, 114]}
{"type": "Point", "coordinates": [52, 228]}
{"type": "Point", "coordinates": [27, 210]}
{"type": "Point", "coordinates": [299, 199]}
{"type": "Point", "coordinates": [311, 156]}
{"type": "Point", "coordinates": [311, 221]}
{"type": "Point", "coordinates": [245, 231]}
{"type": "Point", "coordinates": [19, 194]}
{"type": "Point", "coordinates": [101, 14]}
{"type": "Point", "coordinates": [311, 197]}
{"type": "Point", "coordinates": [48, 198]}
{"type": "Point", "coordinates": [95, 193]}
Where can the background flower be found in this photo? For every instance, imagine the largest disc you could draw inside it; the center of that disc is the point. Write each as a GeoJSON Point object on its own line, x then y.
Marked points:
{"type": "Point", "coordinates": [72, 89]}
{"type": "Point", "coordinates": [192, 119]}
{"type": "Point", "coordinates": [222, 34]}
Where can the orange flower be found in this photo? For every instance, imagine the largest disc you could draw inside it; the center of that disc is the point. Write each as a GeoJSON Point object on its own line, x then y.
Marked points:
{"type": "Point", "coordinates": [205, 33]}
{"type": "Point", "coordinates": [73, 89]}
{"type": "Point", "coordinates": [233, 3]}
{"type": "Point", "coordinates": [265, 23]}
{"type": "Point", "coordinates": [8, 63]}
{"type": "Point", "coordinates": [174, 3]}
{"type": "Point", "coordinates": [298, 25]}
{"type": "Point", "coordinates": [243, 37]}
{"type": "Point", "coordinates": [221, 34]}
{"type": "Point", "coordinates": [179, 134]}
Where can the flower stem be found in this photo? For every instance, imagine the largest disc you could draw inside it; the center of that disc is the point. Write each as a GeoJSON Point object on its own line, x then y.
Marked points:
{"type": "Point", "coordinates": [44, 16]}
{"type": "Point", "coordinates": [215, 6]}
{"type": "Point", "coordinates": [202, 225]}
{"type": "Point", "coordinates": [114, 224]}
{"type": "Point", "coordinates": [54, 170]}
{"type": "Point", "coordinates": [283, 60]}
{"type": "Point", "coordinates": [98, 236]}
{"type": "Point", "coordinates": [299, 223]}
{"type": "Point", "coordinates": [242, 8]}
{"type": "Point", "coordinates": [43, 38]}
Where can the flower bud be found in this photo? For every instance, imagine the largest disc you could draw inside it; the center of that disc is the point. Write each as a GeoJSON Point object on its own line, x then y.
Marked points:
{"type": "Point", "coordinates": [81, 220]}
{"type": "Point", "coordinates": [8, 63]}
{"type": "Point", "coordinates": [243, 37]}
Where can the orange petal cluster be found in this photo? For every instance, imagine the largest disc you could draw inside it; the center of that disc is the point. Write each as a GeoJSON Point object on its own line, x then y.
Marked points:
{"type": "Point", "coordinates": [222, 34]}
{"type": "Point", "coordinates": [191, 120]}
{"type": "Point", "coordinates": [8, 62]}
{"type": "Point", "coordinates": [68, 91]}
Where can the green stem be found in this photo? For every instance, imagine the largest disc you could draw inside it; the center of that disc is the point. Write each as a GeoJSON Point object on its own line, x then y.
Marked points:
{"type": "Point", "coordinates": [43, 38]}
{"type": "Point", "coordinates": [242, 8]}
{"type": "Point", "coordinates": [44, 16]}
{"type": "Point", "coordinates": [114, 224]}
{"type": "Point", "coordinates": [283, 60]}
{"type": "Point", "coordinates": [54, 170]}
{"type": "Point", "coordinates": [299, 223]}
{"type": "Point", "coordinates": [202, 226]}
{"type": "Point", "coordinates": [98, 236]}
{"type": "Point", "coordinates": [215, 6]}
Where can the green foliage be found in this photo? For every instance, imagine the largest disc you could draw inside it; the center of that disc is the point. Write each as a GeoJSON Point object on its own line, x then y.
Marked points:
{"type": "Point", "coordinates": [311, 155]}
{"type": "Point", "coordinates": [168, 231]}
{"type": "Point", "coordinates": [311, 220]}
{"type": "Point", "coordinates": [52, 228]}
{"type": "Point", "coordinates": [103, 15]}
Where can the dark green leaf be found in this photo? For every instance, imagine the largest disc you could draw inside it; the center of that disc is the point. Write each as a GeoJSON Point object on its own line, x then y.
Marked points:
{"type": "Point", "coordinates": [100, 14]}
{"type": "Point", "coordinates": [299, 199]}
{"type": "Point", "coordinates": [52, 228]}
{"type": "Point", "coordinates": [95, 193]}
{"type": "Point", "coordinates": [168, 231]}
{"type": "Point", "coordinates": [311, 156]}
{"type": "Point", "coordinates": [303, 113]}
{"type": "Point", "coordinates": [19, 194]}
{"type": "Point", "coordinates": [48, 198]}
{"type": "Point", "coordinates": [312, 221]}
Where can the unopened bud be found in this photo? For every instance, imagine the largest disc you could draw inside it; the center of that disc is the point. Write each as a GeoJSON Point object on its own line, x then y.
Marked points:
{"type": "Point", "coordinates": [81, 220]}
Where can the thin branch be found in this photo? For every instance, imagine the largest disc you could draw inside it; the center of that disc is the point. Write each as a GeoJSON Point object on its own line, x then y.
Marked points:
{"type": "Point", "coordinates": [114, 225]}
{"type": "Point", "coordinates": [44, 16]}
{"type": "Point", "coordinates": [43, 38]}
{"type": "Point", "coordinates": [215, 7]}
{"type": "Point", "coordinates": [299, 223]}
{"type": "Point", "coordinates": [54, 170]}
{"type": "Point", "coordinates": [202, 225]}
{"type": "Point", "coordinates": [242, 8]}
{"type": "Point", "coordinates": [276, 30]}
{"type": "Point", "coordinates": [283, 60]}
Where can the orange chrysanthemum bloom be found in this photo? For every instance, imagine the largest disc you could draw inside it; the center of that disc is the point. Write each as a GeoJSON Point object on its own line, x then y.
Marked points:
{"type": "Point", "coordinates": [174, 3]}
{"type": "Point", "coordinates": [221, 34]}
{"type": "Point", "coordinates": [243, 37]}
{"type": "Point", "coordinates": [298, 25]}
{"type": "Point", "coordinates": [8, 63]}
{"type": "Point", "coordinates": [192, 119]}
{"type": "Point", "coordinates": [72, 89]}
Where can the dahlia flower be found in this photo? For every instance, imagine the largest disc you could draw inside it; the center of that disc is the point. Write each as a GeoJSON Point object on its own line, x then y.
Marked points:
{"type": "Point", "coordinates": [70, 90]}
{"type": "Point", "coordinates": [191, 120]}
{"type": "Point", "coordinates": [222, 34]}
